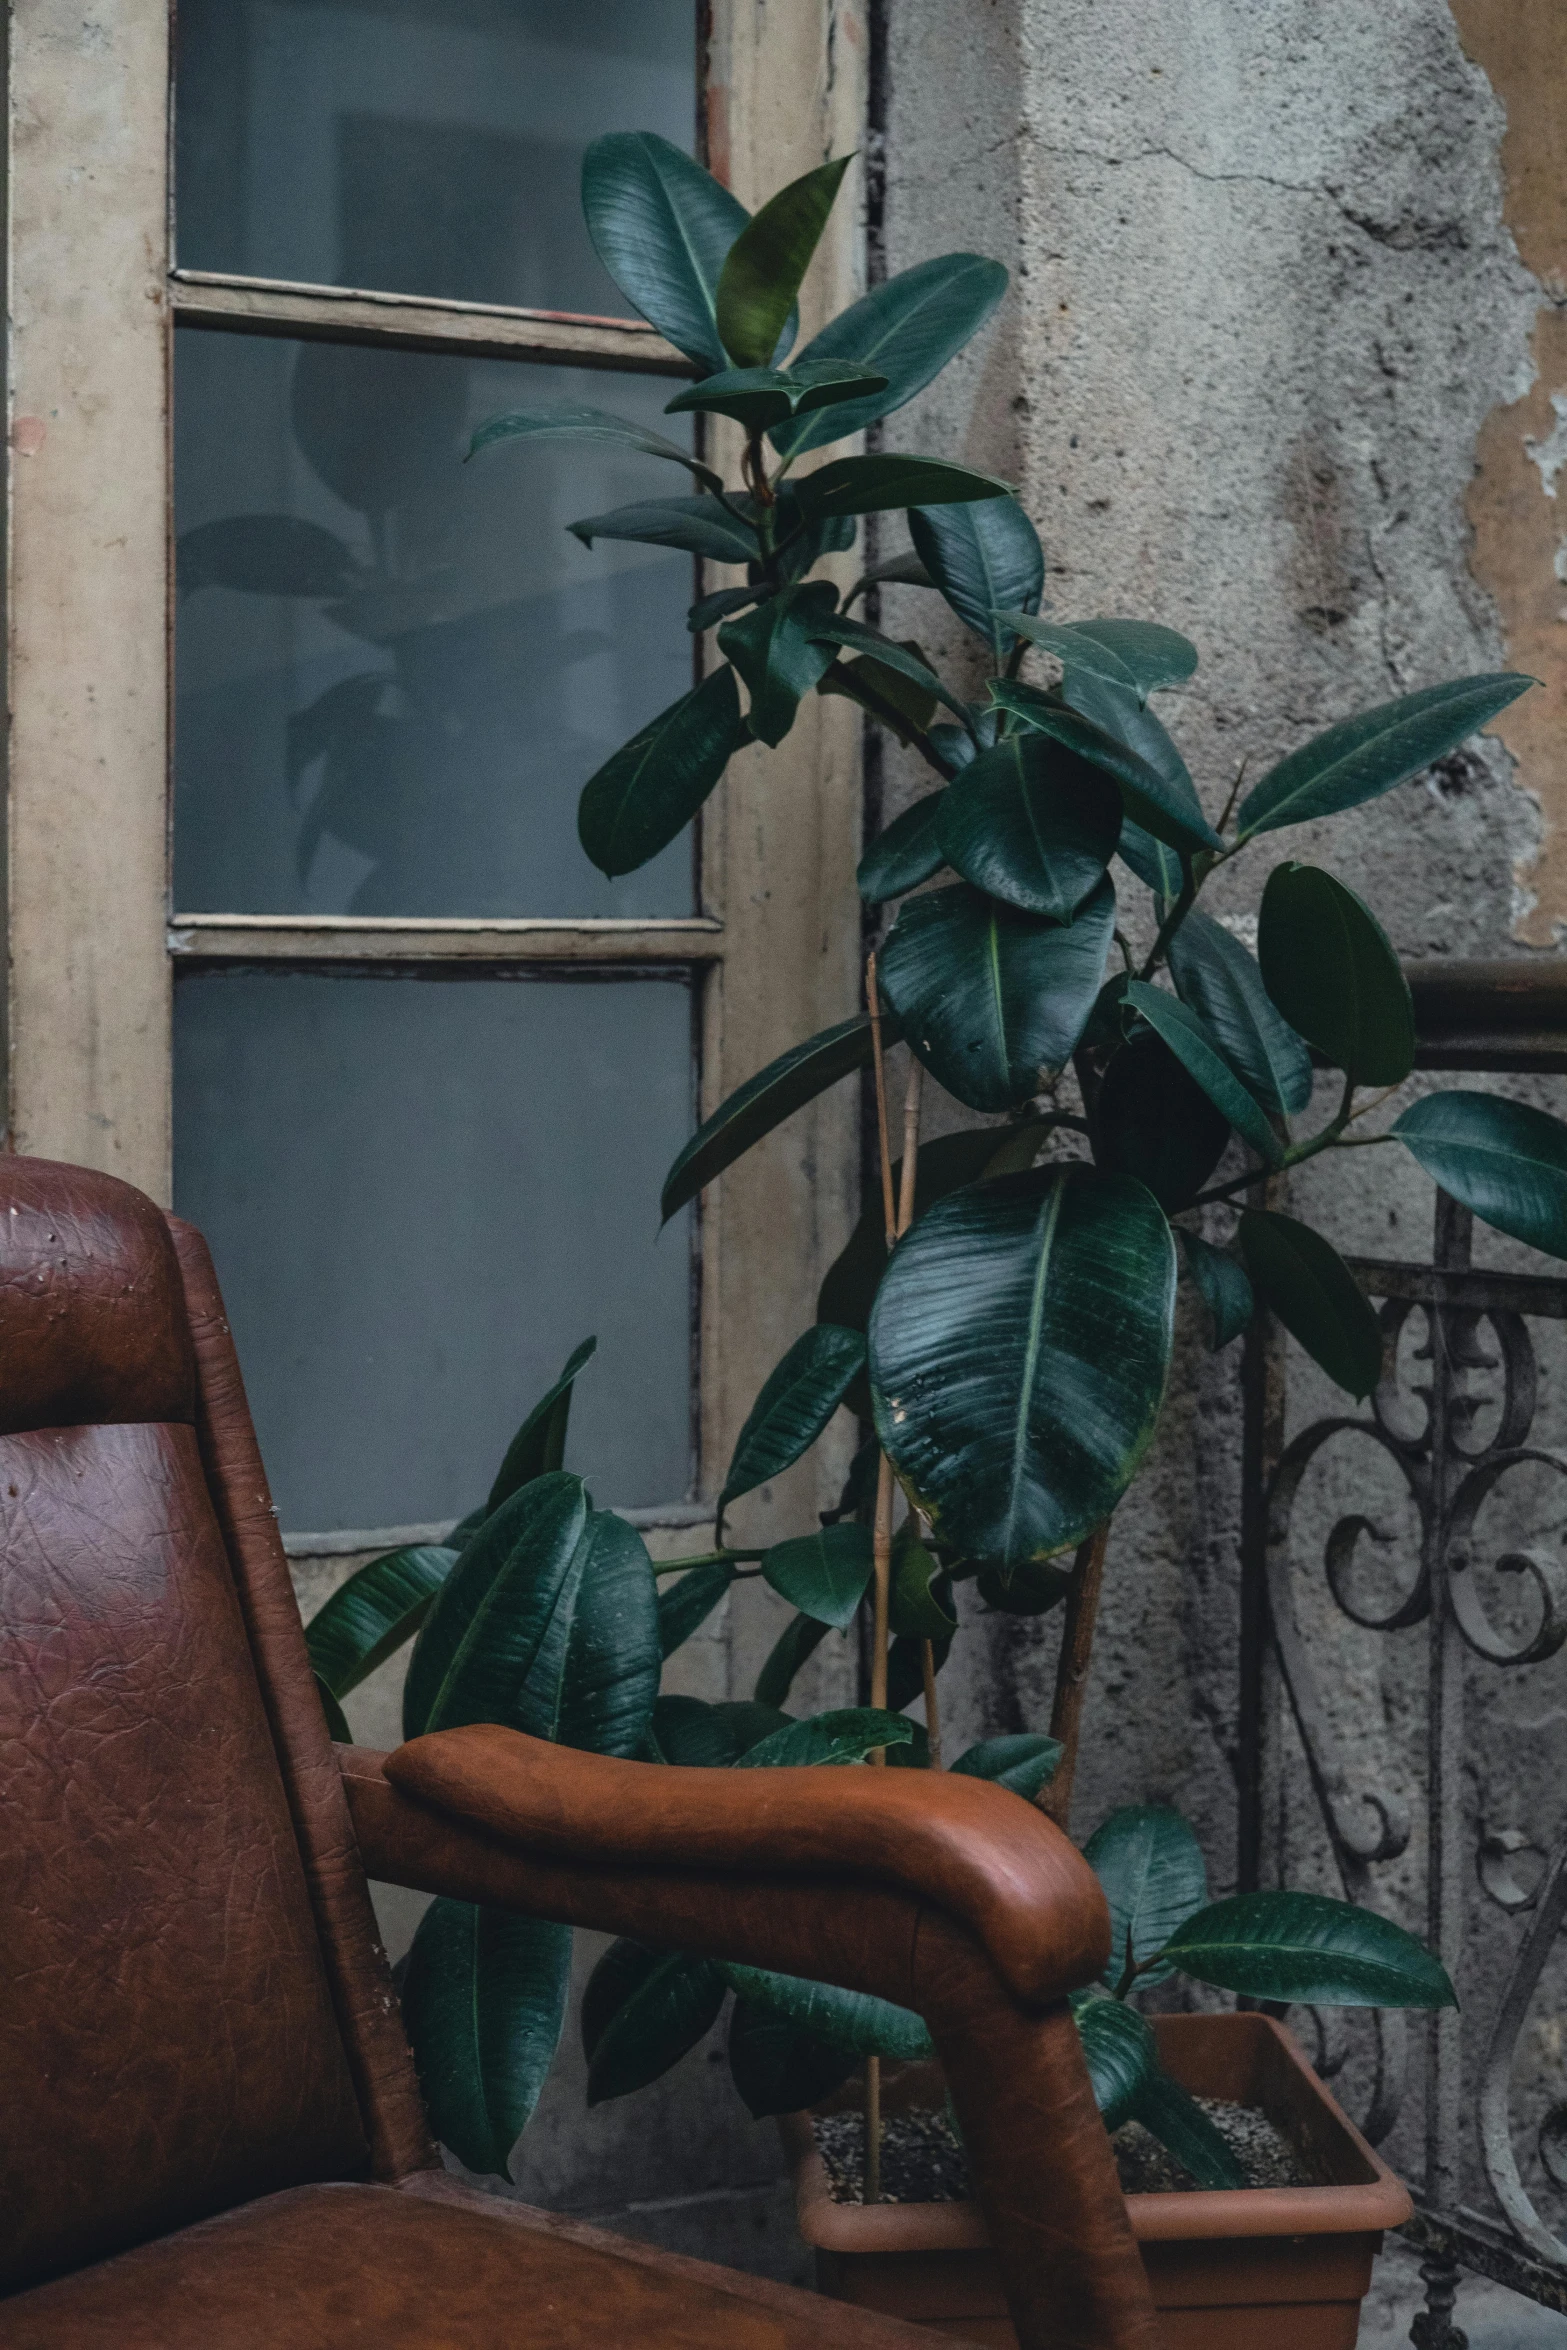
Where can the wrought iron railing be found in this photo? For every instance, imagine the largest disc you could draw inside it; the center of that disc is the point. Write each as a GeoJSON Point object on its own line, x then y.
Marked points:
{"type": "Point", "coordinates": [1455, 1419]}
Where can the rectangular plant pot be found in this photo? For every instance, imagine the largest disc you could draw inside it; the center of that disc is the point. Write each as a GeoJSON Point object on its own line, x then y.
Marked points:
{"type": "Point", "coordinates": [1287, 2267]}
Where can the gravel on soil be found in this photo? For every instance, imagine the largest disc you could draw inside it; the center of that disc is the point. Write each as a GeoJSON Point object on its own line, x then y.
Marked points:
{"type": "Point", "coordinates": [923, 2160]}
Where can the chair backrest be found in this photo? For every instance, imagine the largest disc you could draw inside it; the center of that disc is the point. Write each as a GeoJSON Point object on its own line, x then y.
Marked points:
{"type": "Point", "coordinates": [186, 1959]}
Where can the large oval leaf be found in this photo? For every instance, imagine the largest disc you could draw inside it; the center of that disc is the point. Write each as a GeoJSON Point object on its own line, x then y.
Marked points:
{"type": "Point", "coordinates": [1362, 757]}
{"type": "Point", "coordinates": [642, 2010]}
{"type": "Point", "coordinates": [1330, 967]}
{"type": "Point", "coordinates": [822, 1574]}
{"type": "Point", "coordinates": [907, 330]}
{"type": "Point", "coordinates": [1151, 1868]}
{"type": "Point", "coordinates": [1128, 743]}
{"type": "Point", "coordinates": [778, 654]}
{"type": "Point", "coordinates": [570, 420]}
{"type": "Point", "coordinates": [847, 1735]}
{"type": "Point", "coordinates": [1136, 655]}
{"type": "Point", "coordinates": [1023, 1761]}
{"type": "Point", "coordinates": [554, 1507]}
{"type": "Point", "coordinates": [765, 1100]}
{"type": "Point", "coordinates": [1031, 824]}
{"type": "Point", "coordinates": [1118, 2046]}
{"type": "Point", "coordinates": [1184, 2130]}
{"type": "Point", "coordinates": [777, 2068]}
{"type": "Point", "coordinates": [1197, 1049]}
{"type": "Point", "coordinates": [697, 526]}
{"type": "Point", "coordinates": [688, 1602]}
{"type": "Point", "coordinates": [540, 1443]}
{"type": "Point", "coordinates": [484, 1997]}
{"type": "Point", "coordinates": [1308, 1947]}
{"type": "Point", "coordinates": [1154, 862]}
{"type": "Point", "coordinates": [759, 397]}
{"type": "Point", "coordinates": [663, 228]}
{"type": "Point", "coordinates": [842, 2019]}
{"type": "Point", "coordinates": [653, 785]}
{"type": "Point", "coordinates": [881, 483]}
{"type": "Point", "coordinates": [986, 560]}
{"type": "Point", "coordinates": [794, 1407]}
{"type": "Point", "coordinates": [903, 856]}
{"type": "Point", "coordinates": [1153, 1120]}
{"type": "Point", "coordinates": [1019, 1349]}
{"type": "Point", "coordinates": [1218, 977]}
{"type": "Point", "coordinates": [1502, 1159]}
{"type": "Point", "coordinates": [920, 1597]}
{"type": "Point", "coordinates": [1315, 1295]}
{"type": "Point", "coordinates": [763, 268]}
{"type": "Point", "coordinates": [368, 1618]}
{"type": "Point", "coordinates": [989, 997]}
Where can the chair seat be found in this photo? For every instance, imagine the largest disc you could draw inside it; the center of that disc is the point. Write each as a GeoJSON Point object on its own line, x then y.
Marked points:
{"type": "Point", "coordinates": [429, 2265]}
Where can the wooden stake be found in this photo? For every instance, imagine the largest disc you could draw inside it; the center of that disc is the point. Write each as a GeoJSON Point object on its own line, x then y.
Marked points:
{"type": "Point", "coordinates": [872, 2187]}
{"type": "Point", "coordinates": [1077, 1649]}
{"type": "Point", "coordinates": [932, 1709]}
{"type": "Point", "coordinates": [873, 1000]}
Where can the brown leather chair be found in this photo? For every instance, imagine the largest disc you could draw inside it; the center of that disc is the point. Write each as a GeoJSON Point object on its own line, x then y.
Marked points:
{"type": "Point", "coordinates": [212, 2132]}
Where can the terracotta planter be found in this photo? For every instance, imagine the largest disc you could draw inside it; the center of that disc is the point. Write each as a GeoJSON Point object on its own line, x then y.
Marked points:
{"type": "Point", "coordinates": [1283, 2266]}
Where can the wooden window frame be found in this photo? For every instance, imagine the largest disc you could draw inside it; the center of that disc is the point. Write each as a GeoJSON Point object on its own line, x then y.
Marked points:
{"type": "Point", "coordinates": [93, 941]}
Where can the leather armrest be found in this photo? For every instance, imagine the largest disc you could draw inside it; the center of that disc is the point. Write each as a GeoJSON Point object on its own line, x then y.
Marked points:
{"type": "Point", "coordinates": [979, 1854]}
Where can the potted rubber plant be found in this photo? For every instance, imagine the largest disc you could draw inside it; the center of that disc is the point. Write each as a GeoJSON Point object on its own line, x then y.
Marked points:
{"type": "Point", "coordinates": [1006, 1310]}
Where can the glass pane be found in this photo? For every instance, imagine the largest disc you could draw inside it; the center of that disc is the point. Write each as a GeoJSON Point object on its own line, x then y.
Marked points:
{"type": "Point", "coordinates": [394, 671]}
{"type": "Point", "coordinates": [421, 1194]}
{"type": "Point", "coordinates": [425, 146]}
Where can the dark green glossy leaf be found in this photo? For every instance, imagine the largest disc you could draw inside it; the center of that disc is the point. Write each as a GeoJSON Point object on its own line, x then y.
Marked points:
{"type": "Point", "coordinates": [336, 1720]}
{"type": "Point", "coordinates": [1506, 1161]}
{"type": "Point", "coordinates": [907, 329]}
{"type": "Point", "coordinates": [1330, 967]}
{"type": "Point", "coordinates": [1226, 1292]}
{"type": "Point", "coordinates": [822, 1574]}
{"type": "Point", "coordinates": [903, 856]}
{"type": "Point", "coordinates": [1304, 1946]}
{"type": "Point", "coordinates": [697, 526]}
{"type": "Point", "coordinates": [1137, 656]}
{"type": "Point", "coordinates": [1315, 1295]}
{"type": "Point", "coordinates": [540, 1443]}
{"type": "Point", "coordinates": [699, 1736]}
{"type": "Point", "coordinates": [986, 560]}
{"type": "Point", "coordinates": [906, 1677]}
{"type": "Point", "coordinates": [878, 484]}
{"type": "Point", "coordinates": [569, 420]}
{"type": "Point", "coordinates": [642, 2011]}
{"type": "Point", "coordinates": [687, 1603]}
{"type": "Point", "coordinates": [765, 1100]}
{"type": "Point", "coordinates": [663, 227]}
{"type": "Point", "coordinates": [796, 1644]}
{"type": "Point", "coordinates": [459, 1604]}
{"type": "Point", "coordinates": [654, 784]}
{"type": "Point", "coordinates": [842, 2019]}
{"type": "Point", "coordinates": [1156, 791]}
{"type": "Point", "coordinates": [777, 2069]}
{"type": "Point", "coordinates": [897, 571]}
{"type": "Point", "coordinates": [1151, 1868]}
{"type": "Point", "coordinates": [1018, 1349]}
{"type": "Point", "coordinates": [849, 1285]}
{"type": "Point", "coordinates": [1180, 2125]}
{"type": "Point", "coordinates": [894, 701]}
{"type": "Point", "coordinates": [368, 1618]}
{"type": "Point", "coordinates": [1196, 1048]}
{"type": "Point", "coordinates": [1154, 862]}
{"type": "Point", "coordinates": [1031, 824]}
{"type": "Point", "coordinates": [1362, 757]}
{"type": "Point", "coordinates": [266, 555]}
{"type": "Point", "coordinates": [778, 654]}
{"type": "Point", "coordinates": [954, 747]}
{"type": "Point", "coordinates": [762, 272]}
{"type": "Point", "coordinates": [1218, 977]}
{"type": "Point", "coordinates": [794, 1407]}
{"type": "Point", "coordinates": [1024, 1761]}
{"type": "Point", "coordinates": [1153, 1120]}
{"type": "Point", "coordinates": [1118, 2044]}
{"type": "Point", "coordinates": [708, 610]}
{"type": "Point", "coordinates": [846, 1736]}
{"type": "Point", "coordinates": [760, 397]}
{"type": "Point", "coordinates": [1031, 1589]}
{"type": "Point", "coordinates": [988, 996]}
{"type": "Point", "coordinates": [920, 1597]}
{"type": "Point", "coordinates": [904, 659]}
{"type": "Point", "coordinates": [484, 1997]}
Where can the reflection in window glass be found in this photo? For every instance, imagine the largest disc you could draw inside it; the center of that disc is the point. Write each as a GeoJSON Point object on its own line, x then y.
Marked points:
{"type": "Point", "coordinates": [420, 1194]}
{"type": "Point", "coordinates": [429, 146]}
{"type": "Point", "coordinates": [395, 671]}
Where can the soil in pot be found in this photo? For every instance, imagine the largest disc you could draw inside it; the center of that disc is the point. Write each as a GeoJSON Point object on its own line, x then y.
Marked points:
{"type": "Point", "coordinates": [923, 2160]}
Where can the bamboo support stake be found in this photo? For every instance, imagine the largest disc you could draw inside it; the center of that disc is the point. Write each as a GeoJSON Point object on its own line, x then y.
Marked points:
{"type": "Point", "coordinates": [1077, 1649]}
{"type": "Point", "coordinates": [873, 1002]}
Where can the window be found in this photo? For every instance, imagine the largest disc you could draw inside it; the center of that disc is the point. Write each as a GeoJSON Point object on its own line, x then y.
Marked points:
{"type": "Point", "coordinates": [307, 942]}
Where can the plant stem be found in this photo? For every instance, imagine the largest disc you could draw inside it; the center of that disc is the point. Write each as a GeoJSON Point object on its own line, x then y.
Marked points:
{"type": "Point", "coordinates": [1183, 905]}
{"type": "Point", "coordinates": [873, 1000]}
{"type": "Point", "coordinates": [932, 1704]}
{"type": "Point", "coordinates": [1077, 1648]}
{"type": "Point", "coordinates": [1235, 793]}
{"type": "Point", "coordinates": [704, 1558]}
